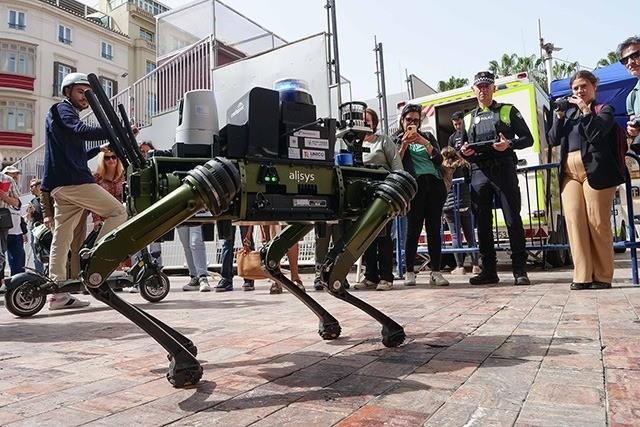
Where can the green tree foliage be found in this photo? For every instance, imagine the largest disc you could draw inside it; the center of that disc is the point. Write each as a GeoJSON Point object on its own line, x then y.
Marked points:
{"type": "Point", "coordinates": [611, 58]}
{"type": "Point", "coordinates": [452, 83]}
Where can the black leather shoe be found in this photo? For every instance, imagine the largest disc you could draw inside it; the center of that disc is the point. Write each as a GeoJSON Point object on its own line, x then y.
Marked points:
{"type": "Point", "coordinates": [600, 285]}
{"type": "Point", "coordinates": [521, 279]}
{"type": "Point", "coordinates": [575, 286]}
{"type": "Point", "coordinates": [484, 278]}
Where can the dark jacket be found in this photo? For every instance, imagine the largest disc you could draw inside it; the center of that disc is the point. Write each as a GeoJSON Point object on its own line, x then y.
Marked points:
{"type": "Point", "coordinates": [599, 148]}
{"type": "Point", "coordinates": [516, 131]}
{"type": "Point", "coordinates": [407, 162]}
{"type": "Point", "coordinates": [65, 154]}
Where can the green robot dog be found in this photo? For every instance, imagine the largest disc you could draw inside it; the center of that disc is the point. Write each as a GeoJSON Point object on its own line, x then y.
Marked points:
{"type": "Point", "coordinates": [273, 161]}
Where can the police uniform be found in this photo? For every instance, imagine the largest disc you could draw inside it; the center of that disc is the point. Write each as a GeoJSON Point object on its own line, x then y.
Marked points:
{"type": "Point", "coordinates": [493, 173]}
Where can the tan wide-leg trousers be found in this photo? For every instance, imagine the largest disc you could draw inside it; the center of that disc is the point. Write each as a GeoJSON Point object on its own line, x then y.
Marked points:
{"type": "Point", "coordinates": [70, 203]}
{"type": "Point", "coordinates": [588, 216]}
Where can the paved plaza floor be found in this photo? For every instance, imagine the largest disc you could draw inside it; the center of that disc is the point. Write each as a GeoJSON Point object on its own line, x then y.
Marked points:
{"type": "Point", "coordinates": [499, 355]}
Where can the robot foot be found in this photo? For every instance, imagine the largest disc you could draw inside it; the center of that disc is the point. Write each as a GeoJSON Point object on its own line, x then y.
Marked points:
{"type": "Point", "coordinates": [393, 335]}
{"type": "Point", "coordinates": [183, 374]}
{"type": "Point", "coordinates": [329, 330]}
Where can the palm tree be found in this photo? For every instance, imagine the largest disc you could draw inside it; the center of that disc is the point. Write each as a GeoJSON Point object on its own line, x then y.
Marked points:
{"type": "Point", "coordinates": [611, 58]}
{"type": "Point", "coordinates": [505, 67]}
{"type": "Point", "coordinates": [563, 70]}
{"type": "Point", "coordinates": [452, 83]}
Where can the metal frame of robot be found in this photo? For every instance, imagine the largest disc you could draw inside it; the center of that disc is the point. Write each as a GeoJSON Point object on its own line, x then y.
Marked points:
{"type": "Point", "coordinates": [217, 186]}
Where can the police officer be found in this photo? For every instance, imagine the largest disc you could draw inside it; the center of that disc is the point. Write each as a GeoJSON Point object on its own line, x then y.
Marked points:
{"type": "Point", "coordinates": [493, 173]}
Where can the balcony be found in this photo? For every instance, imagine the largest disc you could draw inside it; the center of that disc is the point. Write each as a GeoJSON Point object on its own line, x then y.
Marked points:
{"type": "Point", "coordinates": [16, 81]}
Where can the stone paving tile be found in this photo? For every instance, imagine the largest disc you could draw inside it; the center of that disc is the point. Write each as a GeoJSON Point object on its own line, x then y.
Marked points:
{"type": "Point", "coordinates": [499, 355]}
{"type": "Point", "coordinates": [453, 414]}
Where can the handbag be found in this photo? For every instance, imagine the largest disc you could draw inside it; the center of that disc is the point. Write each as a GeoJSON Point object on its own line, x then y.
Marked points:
{"type": "Point", "coordinates": [6, 222]}
{"type": "Point", "coordinates": [249, 262]}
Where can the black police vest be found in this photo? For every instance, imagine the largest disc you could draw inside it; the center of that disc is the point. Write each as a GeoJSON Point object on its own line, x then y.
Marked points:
{"type": "Point", "coordinates": [484, 126]}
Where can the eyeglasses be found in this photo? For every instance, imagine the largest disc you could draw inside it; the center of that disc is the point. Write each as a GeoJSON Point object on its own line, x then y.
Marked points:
{"type": "Point", "coordinates": [110, 157]}
{"type": "Point", "coordinates": [633, 57]}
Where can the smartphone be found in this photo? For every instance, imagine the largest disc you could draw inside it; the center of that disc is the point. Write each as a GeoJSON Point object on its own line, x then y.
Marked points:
{"type": "Point", "coordinates": [412, 129]}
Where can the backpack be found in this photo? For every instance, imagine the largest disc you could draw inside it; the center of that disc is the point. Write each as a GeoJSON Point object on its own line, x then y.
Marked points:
{"type": "Point", "coordinates": [621, 144]}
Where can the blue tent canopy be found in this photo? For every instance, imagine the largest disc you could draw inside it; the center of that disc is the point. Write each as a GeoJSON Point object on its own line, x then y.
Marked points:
{"type": "Point", "coordinates": [614, 85]}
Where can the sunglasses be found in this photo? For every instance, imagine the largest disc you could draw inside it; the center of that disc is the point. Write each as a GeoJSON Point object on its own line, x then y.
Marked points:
{"type": "Point", "coordinates": [633, 57]}
{"type": "Point", "coordinates": [411, 121]}
{"type": "Point", "coordinates": [110, 157]}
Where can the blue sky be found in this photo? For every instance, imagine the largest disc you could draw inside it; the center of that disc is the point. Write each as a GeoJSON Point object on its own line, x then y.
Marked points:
{"type": "Point", "coordinates": [437, 39]}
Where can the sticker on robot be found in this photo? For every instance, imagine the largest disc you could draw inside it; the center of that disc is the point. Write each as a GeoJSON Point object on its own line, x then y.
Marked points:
{"type": "Point", "coordinates": [293, 141]}
{"type": "Point", "coordinates": [294, 153]}
{"type": "Point", "coordinates": [308, 133]}
{"type": "Point", "coordinates": [316, 143]}
{"type": "Point", "coordinates": [313, 155]}
{"type": "Point", "coordinates": [309, 203]}
{"type": "Point", "coordinates": [202, 110]}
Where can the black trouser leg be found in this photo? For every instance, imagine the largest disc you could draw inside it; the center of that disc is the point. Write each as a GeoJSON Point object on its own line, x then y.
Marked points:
{"type": "Point", "coordinates": [482, 199]}
{"type": "Point", "coordinates": [436, 195]}
{"type": "Point", "coordinates": [509, 193]}
{"type": "Point", "coordinates": [385, 255]}
{"type": "Point", "coordinates": [415, 219]}
{"type": "Point", "coordinates": [370, 258]}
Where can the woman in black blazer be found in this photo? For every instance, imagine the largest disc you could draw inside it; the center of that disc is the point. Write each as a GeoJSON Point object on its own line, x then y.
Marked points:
{"type": "Point", "coordinates": [589, 175]}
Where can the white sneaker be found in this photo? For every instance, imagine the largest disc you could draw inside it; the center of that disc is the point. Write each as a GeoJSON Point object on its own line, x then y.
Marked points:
{"type": "Point", "coordinates": [193, 285]}
{"type": "Point", "coordinates": [365, 284]}
{"type": "Point", "coordinates": [458, 271]}
{"type": "Point", "coordinates": [384, 286]}
{"type": "Point", "coordinates": [65, 301]}
{"type": "Point", "coordinates": [437, 279]}
{"type": "Point", "coordinates": [410, 279]}
{"type": "Point", "coordinates": [204, 285]}
{"type": "Point", "coordinates": [476, 269]}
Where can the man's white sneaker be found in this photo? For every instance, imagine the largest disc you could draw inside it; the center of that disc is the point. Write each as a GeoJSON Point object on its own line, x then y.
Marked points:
{"type": "Point", "coordinates": [410, 279]}
{"type": "Point", "coordinates": [437, 279]}
{"type": "Point", "coordinates": [384, 286]}
{"type": "Point", "coordinates": [476, 269]}
{"type": "Point", "coordinates": [204, 285]}
{"type": "Point", "coordinates": [365, 284]}
{"type": "Point", "coordinates": [61, 303]}
{"type": "Point", "coordinates": [193, 285]}
{"type": "Point", "coordinates": [458, 271]}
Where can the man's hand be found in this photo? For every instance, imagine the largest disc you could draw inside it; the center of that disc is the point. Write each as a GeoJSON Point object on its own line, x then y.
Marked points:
{"type": "Point", "coordinates": [466, 151]}
{"type": "Point", "coordinates": [25, 238]}
{"type": "Point", "coordinates": [48, 221]}
{"type": "Point", "coordinates": [502, 144]}
{"type": "Point", "coordinates": [135, 130]}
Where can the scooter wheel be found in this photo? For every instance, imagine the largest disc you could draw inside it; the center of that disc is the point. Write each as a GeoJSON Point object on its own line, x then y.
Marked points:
{"type": "Point", "coordinates": [155, 287]}
{"type": "Point", "coordinates": [25, 300]}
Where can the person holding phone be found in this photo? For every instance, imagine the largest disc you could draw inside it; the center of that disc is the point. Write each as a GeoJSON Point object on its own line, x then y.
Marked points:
{"type": "Point", "coordinates": [629, 53]}
{"type": "Point", "coordinates": [589, 176]}
{"type": "Point", "coordinates": [421, 157]}
{"type": "Point", "coordinates": [500, 129]}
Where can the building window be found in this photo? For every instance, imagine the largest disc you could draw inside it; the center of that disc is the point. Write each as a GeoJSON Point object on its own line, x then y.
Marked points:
{"type": "Point", "coordinates": [149, 67]}
{"type": "Point", "coordinates": [150, 6]}
{"type": "Point", "coordinates": [17, 20]}
{"type": "Point", "coordinates": [60, 70]}
{"type": "Point", "coordinates": [107, 50]}
{"type": "Point", "coordinates": [16, 116]}
{"type": "Point", "coordinates": [110, 86]}
{"type": "Point", "coordinates": [147, 35]}
{"type": "Point", "coordinates": [64, 34]}
{"type": "Point", "coordinates": [17, 58]}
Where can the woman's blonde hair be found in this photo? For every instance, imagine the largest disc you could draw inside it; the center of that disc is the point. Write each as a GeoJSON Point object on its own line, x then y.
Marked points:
{"type": "Point", "coordinates": [102, 167]}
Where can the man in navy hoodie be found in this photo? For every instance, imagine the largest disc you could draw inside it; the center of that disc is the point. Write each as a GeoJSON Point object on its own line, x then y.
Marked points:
{"type": "Point", "coordinates": [70, 182]}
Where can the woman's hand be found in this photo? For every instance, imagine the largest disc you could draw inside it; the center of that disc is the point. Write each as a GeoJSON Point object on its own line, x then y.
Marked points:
{"type": "Point", "coordinates": [416, 138]}
{"type": "Point", "coordinates": [579, 102]}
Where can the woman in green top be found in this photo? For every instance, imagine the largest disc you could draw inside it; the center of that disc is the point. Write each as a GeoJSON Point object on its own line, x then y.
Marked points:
{"type": "Point", "coordinates": [378, 258]}
{"type": "Point", "coordinates": [421, 158]}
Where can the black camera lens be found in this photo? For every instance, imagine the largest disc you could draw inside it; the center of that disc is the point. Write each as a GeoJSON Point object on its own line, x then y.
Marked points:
{"type": "Point", "coordinates": [561, 104]}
